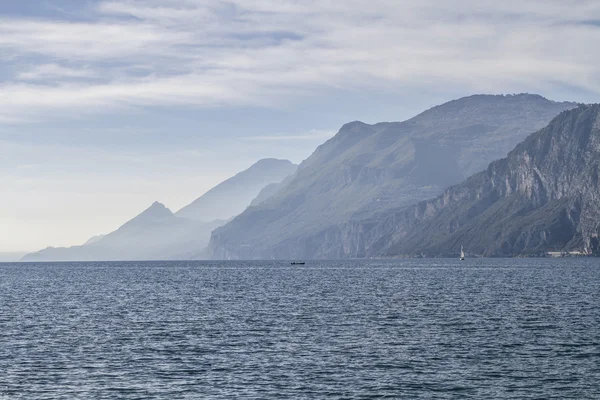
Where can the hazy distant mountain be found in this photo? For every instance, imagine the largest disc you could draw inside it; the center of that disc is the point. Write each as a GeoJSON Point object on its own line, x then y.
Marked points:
{"type": "Point", "coordinates": [155, 234]}
{"type": "Point", "coordinates": [10, 257]}
{"type": "Point", "coordinates": [543, 197]}
{"type": "Point", "coordinates": [270, 190]}
{"type": "Point", "coordinates": [94, 239]}
{"type": "Point", "coordinates": [158, 234]}
{"type": "Point", "coordinates": [231, 197]}
{"type": "Point", "coordinates": [367, 169]}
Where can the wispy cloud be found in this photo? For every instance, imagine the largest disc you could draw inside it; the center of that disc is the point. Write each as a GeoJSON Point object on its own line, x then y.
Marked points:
{"type": "Point", "coordinates": [79, 40]}
{"type": "Point", "coordinates": [182, 61]}
{"type": "Point", "coordinates": [53, 72]}
{"type": "Point", "coordinates": [214, 53]}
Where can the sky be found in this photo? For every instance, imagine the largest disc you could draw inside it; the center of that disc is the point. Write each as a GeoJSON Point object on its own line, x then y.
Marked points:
{"type": "Point", "coordinates": [109, 105]}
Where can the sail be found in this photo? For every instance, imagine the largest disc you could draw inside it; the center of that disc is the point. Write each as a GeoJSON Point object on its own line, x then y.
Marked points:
{"type": "Point", "coordinates": [462, 253]}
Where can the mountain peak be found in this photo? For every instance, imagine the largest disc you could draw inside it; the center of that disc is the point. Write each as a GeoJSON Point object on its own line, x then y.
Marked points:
{"type": "Point", "coordinates": [271, 163]}
{"type": "Point", "coordinates": [157, 206]}
{"type": "Point", "coordinates": [351, 132]}
{"type": "Point", "coordinates": [366, 171]}
{"type": "Point", "coordinates": [541, 197]}
{"type": "Point", "coordinates": [354, 126]}
{"type": "Point", "coordinates": [156, 210]}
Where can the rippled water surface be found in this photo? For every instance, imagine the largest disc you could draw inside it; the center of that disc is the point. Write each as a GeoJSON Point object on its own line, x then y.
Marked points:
{"type": "Point", "coordinates": [350, 329]}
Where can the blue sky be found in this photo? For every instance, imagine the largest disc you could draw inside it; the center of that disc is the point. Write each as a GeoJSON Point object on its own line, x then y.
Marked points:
{"type": "Point", "coordinates": [109, 105]}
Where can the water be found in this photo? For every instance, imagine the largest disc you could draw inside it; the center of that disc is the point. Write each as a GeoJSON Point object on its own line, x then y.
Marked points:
{"type": "Point", "coordinates": [356, 329]}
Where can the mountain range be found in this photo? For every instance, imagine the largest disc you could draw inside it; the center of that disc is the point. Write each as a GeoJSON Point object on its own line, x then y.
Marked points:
{"type": "Point", "coordinates": [501, 175]}
{"type": "Point", "coordinates": [159, 234]}
{"type": "Point", "coordinates": [365, 172]}
{"type": "Point", "coordinates": [232, 196]}
{"type": "Point", "coordinates": [155, 234]}
{"type": "Point", "coordinates": [545, 195]}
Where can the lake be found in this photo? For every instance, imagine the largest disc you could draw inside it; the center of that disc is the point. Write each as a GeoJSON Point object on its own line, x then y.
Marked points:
{"type": "Point", "coordinates": [418, 329]}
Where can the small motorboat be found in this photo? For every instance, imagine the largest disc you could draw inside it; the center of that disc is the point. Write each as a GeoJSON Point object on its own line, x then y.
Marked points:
{"type": "Point", "coordinates": [297, 263]}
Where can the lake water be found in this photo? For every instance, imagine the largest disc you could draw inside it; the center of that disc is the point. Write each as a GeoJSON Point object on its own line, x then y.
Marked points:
{"type": "Point", "coordinates": [482, 329]}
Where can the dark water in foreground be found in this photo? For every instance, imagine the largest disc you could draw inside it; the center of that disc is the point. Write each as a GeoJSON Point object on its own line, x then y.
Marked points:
{"type": "Point", "coordinates": [355, 329]}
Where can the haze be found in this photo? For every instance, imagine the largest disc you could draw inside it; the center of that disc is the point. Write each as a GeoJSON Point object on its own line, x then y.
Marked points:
{"type": "Point", "coordinates": [108, 106]}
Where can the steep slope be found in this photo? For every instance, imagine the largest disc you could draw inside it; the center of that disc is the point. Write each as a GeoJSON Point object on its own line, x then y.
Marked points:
{"type": "Point", "coordinates": [545, 196]}
{"type": "Point", "coordinates": [94, 239]}
{"type": "Point", "coordinates": [270, 190]}
{"type": "Point", "coordinates": [155, 234]}
{"type": "Point", "coordinates": [367, 169]}
{"type": "Point", "coordinates": [232, 196]}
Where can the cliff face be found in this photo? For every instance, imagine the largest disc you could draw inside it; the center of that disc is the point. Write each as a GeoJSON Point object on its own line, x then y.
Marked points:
{"type": "Point", "coordinates": [544, 196]}
{"type": "Point", "coordinates": [338, 202]}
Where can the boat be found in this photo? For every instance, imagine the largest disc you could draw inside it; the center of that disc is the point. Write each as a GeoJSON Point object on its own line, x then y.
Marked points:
{"type": "Point", "coordinates": [298, 263]}
{"type": "Point", "coordinates": [462, 254]}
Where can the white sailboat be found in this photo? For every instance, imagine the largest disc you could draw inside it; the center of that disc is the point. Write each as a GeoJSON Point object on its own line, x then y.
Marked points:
{"type": "Point", "coordinates": [462, 253]}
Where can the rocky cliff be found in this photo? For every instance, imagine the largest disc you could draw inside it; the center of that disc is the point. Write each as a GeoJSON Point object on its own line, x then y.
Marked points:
{"type": "Point", "coordinates": [338, 201]}
{"type": "Point", "coordinates": [544, 196]}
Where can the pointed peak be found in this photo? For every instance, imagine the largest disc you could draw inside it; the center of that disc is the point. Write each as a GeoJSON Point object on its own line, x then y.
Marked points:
{"type": "Point", "coordinates": [156, 210]}
{"type": "Point", "coordinates": [156, 204]}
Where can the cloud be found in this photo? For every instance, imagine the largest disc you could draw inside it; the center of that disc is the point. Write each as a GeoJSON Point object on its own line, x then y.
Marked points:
{"type": "Point", "coordinates": [52, 72]}
{"type": "Point", "coordinates": [214, 53]}
{"type": "Point", "coordinates": [116, 57]}
{"type": "Point", "coordinates": [81, 40]}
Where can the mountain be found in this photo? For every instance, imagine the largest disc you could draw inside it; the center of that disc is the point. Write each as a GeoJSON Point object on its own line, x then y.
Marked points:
{"type": "Point", "coordinates": [94, 239]}
{"type": "Point", "coordinates": [270, 190]}
{"type": "Point", "coordinates": [158, 234]}
{"type": "Point", "coordinates": [10, 257]}
{"type": "Point", "coordinates": [366, 170]}
{"type": "Point", "coordinates": [155, 234]}
{"type": "Point", "coordinates": [232, 196]}
{"type": "Point", "coordinates": [544, 196]}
